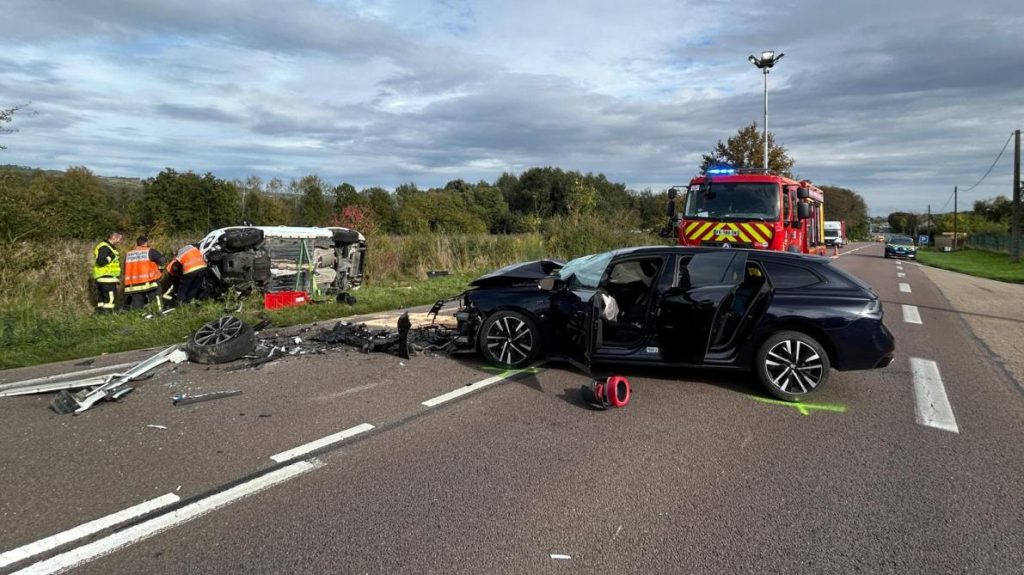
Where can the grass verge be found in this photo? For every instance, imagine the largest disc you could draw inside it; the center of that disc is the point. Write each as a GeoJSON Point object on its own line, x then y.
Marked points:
{"type": "Point", "coordinates": [29, 338]}
{"type": "Point", "coordinates": [991, 265]}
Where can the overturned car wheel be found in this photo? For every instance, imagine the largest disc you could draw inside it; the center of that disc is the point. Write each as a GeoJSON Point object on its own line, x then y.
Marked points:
{"type": "Point", "coordinates": [241, 239]}
{"type": "Point", "coordinates": [792, 365]}
{"type": "Point", "coordinates": [220, 341]}
{"type": "Point", "coordinates": [509, 339]}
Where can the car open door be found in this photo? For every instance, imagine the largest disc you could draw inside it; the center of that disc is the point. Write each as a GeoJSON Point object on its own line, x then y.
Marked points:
{"type": "Point", "coordinates": [688, 313]}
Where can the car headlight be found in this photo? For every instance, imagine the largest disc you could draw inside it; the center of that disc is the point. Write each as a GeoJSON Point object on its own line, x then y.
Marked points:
{"type": "Point", "coordinates": [872, 309]}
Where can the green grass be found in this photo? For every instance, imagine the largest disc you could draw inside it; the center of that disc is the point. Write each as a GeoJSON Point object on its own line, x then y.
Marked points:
{"type": "Point", "coordinates": [30, 338]}
{"type": "Point", "coordinates": [991, 265]}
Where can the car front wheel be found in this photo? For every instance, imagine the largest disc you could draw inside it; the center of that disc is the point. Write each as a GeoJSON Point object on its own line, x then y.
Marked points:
{"type": "Point", "coordinates": [792, 365]}
{"type": "Point", "coordinates": [509, 339]}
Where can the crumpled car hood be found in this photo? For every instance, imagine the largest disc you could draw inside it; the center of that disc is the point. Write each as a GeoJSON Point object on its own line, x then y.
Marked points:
{"type": "Point", "coordinates": [518, 273]}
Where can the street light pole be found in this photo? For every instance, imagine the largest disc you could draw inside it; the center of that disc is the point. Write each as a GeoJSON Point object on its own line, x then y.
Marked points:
{"type": "Point", "coordinates": [765, 63]}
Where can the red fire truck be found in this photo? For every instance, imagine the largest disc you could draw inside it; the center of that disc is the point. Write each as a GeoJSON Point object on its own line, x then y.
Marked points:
{"type": "Point", "coordinates": [749, 208]}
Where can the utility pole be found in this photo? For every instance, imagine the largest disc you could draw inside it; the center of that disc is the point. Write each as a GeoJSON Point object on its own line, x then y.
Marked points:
{"type": "Point", "coordinates": [930, 238]}
{"type": "Point", "coordinates": [1015, 226]}
{"type": "Point", "coordinates": [954, 217]}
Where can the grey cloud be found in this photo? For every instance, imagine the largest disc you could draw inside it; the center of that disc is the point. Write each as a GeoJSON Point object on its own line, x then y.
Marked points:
{"type": "Point", "coordinates": [195, 113]}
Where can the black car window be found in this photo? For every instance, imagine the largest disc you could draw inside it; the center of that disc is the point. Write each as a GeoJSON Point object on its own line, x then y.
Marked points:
{"type": "Point", "coordinates": [713, 268]}
{"type": "Point", "coordinates": [786, 276]}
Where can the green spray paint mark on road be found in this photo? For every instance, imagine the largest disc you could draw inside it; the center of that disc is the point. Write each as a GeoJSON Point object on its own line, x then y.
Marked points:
{"type": "Point", "coordinates": [803, 408]}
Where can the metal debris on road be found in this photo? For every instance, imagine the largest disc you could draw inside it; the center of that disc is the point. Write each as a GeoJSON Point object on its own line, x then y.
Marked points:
{"type": "Point", "coordinates": [186, 399]}
{"type": "Point", "coordinates": [115, 387]}
{"type": "Point", "coordinates": [154, 426]}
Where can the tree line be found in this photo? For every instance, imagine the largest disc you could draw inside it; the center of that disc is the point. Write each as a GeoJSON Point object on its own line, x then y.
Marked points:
{"type": "Point", "coordinates": [987, 216]}
{"type": "Point", "coordinates": [79, 204]}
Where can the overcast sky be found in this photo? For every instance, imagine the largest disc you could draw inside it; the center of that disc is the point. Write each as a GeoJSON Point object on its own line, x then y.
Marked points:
{"type": "Point", "coordinates": [898, 100]}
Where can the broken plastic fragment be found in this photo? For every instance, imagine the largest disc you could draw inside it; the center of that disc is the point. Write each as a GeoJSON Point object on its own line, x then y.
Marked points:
{"type": "Point", "coordinates": [177, 356]}
{"type": "Point", "coordinates": [154, 426]}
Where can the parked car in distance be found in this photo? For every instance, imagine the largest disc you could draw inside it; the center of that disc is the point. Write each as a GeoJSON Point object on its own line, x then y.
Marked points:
{"type": "Point", "coordinates": [285, 258]}
{"type": "Point", "coordinates": [900, 247]}
{"type": "Point", "coordinates": [789, 318]}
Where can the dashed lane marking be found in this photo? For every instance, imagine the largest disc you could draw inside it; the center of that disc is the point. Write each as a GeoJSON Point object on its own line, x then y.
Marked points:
{"type": "Point", "coordinates": [905, 287]}
{"type": "Point", "coordinates": [470, 388]}
{"type": "Point", "coordinates": [320, 443]}
{"type": "Point", "coordinates": [901, 275]}
{"type": "Point", "coordinates": [911, 314]}
{"type": "Point", "coordinates": [932, 404]}
{"type": "Point", "coordinates": [85, 530]}
{"type": "Point", "coordinates": [151, 527]}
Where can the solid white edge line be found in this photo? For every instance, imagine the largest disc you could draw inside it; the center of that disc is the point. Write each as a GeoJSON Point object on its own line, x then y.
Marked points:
{"type": "Point", "coordinates": [932, 405]}
{"type": "Point", "coordinates": [471, 387]}
{"type": "Point", "coordinates": [905, 287]}
{"type": "Point", "coordinates": [84, 530]}
{"type": "Point", "coordinates": [911, 314]}
{"type": "Point", "coordinates": [147, 529]}
{"type": "Point", "coordinates": [322, 442]}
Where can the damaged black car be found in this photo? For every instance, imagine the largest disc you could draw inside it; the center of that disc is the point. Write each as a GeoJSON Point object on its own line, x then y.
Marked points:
{"type": "Point", "coordinates": [789, 318]}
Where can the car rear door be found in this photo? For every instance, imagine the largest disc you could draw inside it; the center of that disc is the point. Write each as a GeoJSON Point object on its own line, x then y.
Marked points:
{"type": "Point", "coordinates": [689, 312]}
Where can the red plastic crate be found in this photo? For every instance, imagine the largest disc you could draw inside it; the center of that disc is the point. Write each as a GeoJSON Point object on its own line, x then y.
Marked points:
{"type": "Point", "coordinates": [278, 300]}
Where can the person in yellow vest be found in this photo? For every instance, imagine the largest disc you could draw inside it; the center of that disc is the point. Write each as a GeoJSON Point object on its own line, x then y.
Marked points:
{"type": "Point", "coordinates": [106, 272]}
{"type": "Point", "coordinates": [142, 275]}
{"type": "Point", "coordinates": [187, 271]}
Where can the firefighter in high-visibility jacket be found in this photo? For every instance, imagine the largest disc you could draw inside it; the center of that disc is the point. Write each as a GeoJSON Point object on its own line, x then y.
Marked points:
{"type": "Point", "coordinates": [106, 272]}
{"type": "Point", "coordinates": [142, 275]}
{"type": "Point", "coordinates": [187, 271]}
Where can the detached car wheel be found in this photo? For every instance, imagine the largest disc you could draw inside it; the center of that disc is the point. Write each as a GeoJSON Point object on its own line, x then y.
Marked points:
{"type": "Point", "coordinates": [509, 339]}
{"type": "Point", "coordinates": [220, 341]}
{"type": "Point", "coordinates": [792, 365]}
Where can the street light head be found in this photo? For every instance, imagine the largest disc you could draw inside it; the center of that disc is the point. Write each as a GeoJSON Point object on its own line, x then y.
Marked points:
{"type": "Point", "coordinates": [767, 55]}
{"type": "Point", "coordinates": [754, 60]}
{"type": "Point", "coordinates": [779, 57]}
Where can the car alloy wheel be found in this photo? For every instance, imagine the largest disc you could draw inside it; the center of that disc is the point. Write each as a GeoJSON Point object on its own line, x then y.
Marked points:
{"type": "Point", "coordinates": [792, 365]}
{"type": "Point", "coordinates": [222, 340]}
{"type": "Point", "coordinates": [509, 339]}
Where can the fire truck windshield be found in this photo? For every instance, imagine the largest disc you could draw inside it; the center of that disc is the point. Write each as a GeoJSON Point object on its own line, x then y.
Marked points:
{"type": "Point", "coordinates": [735, 201]}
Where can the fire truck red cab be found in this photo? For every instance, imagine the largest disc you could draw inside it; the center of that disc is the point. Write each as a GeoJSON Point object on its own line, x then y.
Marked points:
{"type": "Point", "coordinates": [752, 209]}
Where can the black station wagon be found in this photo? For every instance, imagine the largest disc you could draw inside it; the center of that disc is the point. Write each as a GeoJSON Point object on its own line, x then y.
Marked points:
{"type": "Point", "coordinates": [789, 318]}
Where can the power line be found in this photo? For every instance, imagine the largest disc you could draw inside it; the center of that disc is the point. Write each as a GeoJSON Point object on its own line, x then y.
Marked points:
{"type": "Point", "coordinates": [1010, 137]}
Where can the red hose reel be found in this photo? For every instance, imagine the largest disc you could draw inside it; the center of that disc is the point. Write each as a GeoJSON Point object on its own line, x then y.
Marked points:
{"type": "Point", "coordinates": [612, 392]}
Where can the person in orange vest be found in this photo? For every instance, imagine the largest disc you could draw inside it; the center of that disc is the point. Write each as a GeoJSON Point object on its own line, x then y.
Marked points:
{"type": "Point", "coordinates": [187, 271]}
{"type": "Point", "coordinates": [106, 272]}
{"type": "Point", "coordinates": [142, 275]}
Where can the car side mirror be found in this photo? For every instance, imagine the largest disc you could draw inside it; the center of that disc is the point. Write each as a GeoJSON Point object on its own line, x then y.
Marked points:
{"type": "Point", "coordinates": [803, 193]}
{"type": "Point", "coordinates": [803, 211]}
{"type": "Point", "coordinates": [547, 284]}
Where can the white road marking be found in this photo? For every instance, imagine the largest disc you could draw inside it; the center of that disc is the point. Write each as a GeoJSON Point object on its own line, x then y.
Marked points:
{"type": "Point", "coordinates": [84, 530]}
{"type": "Point", "coordinates": [911, 314]}
{"type": "Point", "coordinates": [322, 442]}
{"type": "Point", "coordinates": [901, 275]}
{"type": "Point", "coordinates": [904, 287]}
{"type": "Point", "coordinates": [933, 407]}
{"type": "Point", "coordinates": [560, 556]}
{"type": "Point", "coordinates": [470, 388]}
{"type": "Point", "coordinates": [147, 529]}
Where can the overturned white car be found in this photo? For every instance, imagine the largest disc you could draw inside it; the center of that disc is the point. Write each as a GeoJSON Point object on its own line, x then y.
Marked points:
{"type": "Point", "coordinates": [285, 258]}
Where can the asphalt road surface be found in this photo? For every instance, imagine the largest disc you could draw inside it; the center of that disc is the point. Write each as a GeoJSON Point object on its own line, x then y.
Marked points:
{"type": "Point", "coordinates": [915, 468]}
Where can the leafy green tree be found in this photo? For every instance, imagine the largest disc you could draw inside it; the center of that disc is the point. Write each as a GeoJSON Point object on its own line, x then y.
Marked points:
{"type": "Point", "coordinates": [901, 222]}
{"type": "Point", "coordinates": [997, 210]}
{"type": "Point", "coordinates": [345, 195]}
{"type": "Point", "coordinates": [746, 150]}
{"type": "Point", "coordinates": [313, 207]}
{"type": "Point", "coordinates": [380, 203]}
{"type": "Point", "coordinates": [848, 206]}
{"type": "Point", "coordinates": [19, 217]}
{"type": "Point", "coordinates": [188, 203]}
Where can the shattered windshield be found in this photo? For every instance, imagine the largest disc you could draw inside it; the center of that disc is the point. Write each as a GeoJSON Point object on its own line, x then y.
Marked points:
{"type": "Point", "coordinates": [585, 272]}
{"type": "Point", "coordinates": [740, 200]}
